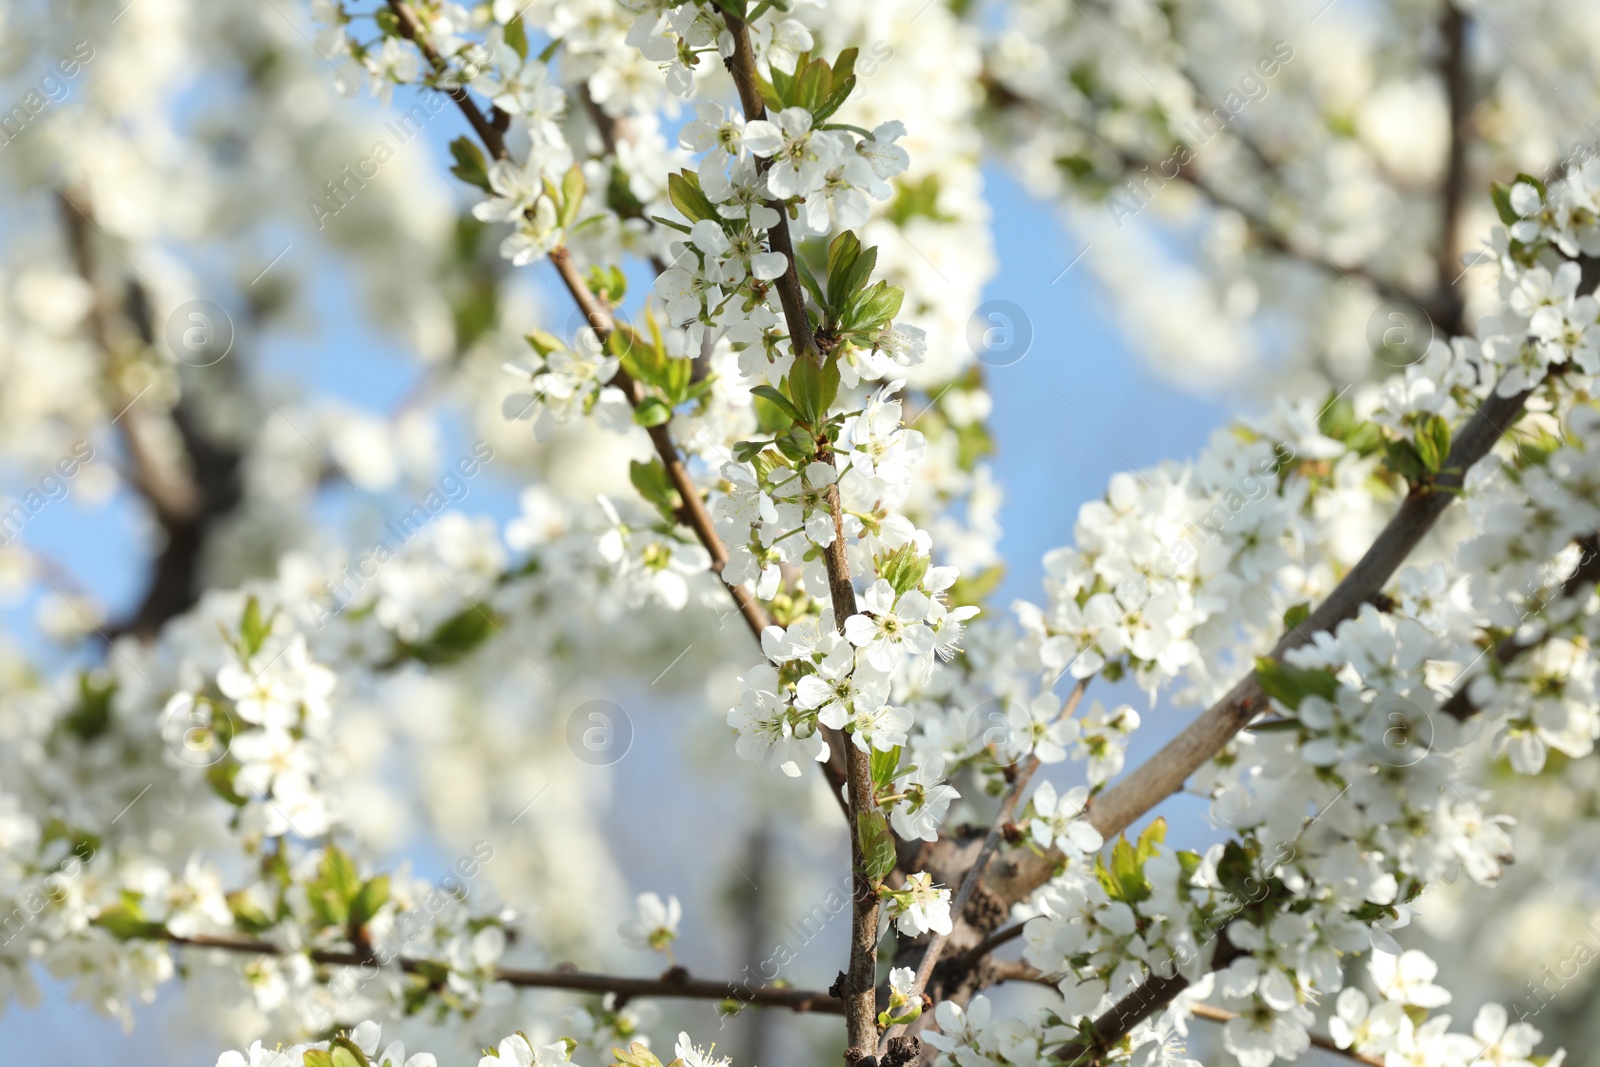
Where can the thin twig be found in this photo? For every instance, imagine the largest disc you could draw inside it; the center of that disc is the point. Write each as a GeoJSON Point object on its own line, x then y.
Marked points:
{"type": "Point", "coordinates": [674, 983]}
{"type": "Point", "coordinates": [991, 843]}
{"type": "Point", "coordinates": [1219, 1015]}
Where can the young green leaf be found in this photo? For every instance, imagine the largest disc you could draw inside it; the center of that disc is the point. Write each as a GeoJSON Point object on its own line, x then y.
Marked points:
{"type": "Point", "coordinates": [470, 165]}
{"type": "Point", "coordinates": [572, 190]}
{"type": "Point", "coordinates": [545, 343]}
{"type": "Point", "coordinates": [686, 195]}
{"type": "Point", "coordinates": [1128, 872]}
{"type": "Point", "coordinates": [517, 37]}
{"type": "Point", "coordinates": [652, 411]}
{"type": "Point", "coordinates": [778, 400]}
{"type": "Point", "coordinates": [252, 630]}
{"type": "Point", "coordinates": [1290, 685]}
{"type": "Point", "coordinates": [877, 844]}
{"type": "Point", "coordinates": [653, 484]}
{"type": "Point", "coordinates": [1433, 443]}
{"type": "Point", "coordinates": [1153, 835]}
{"type": "Point", "coordinates": [883, 766]}
{"type": "Point", "coordinates": [374, 894]}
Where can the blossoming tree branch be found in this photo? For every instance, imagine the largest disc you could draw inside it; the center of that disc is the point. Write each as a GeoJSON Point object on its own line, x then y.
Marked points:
{"type": "Point", "coordinates": [1379, 601]}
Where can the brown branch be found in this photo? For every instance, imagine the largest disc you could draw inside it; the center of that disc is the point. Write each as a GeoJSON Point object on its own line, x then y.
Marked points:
{"type": "Point", "coordinates": [1165, 772]}
{"type": "Point", "coordinates": [1153, 995]}
{"type": "Point", "coordinates": [859, 987]}
{"type": "Point", "coordinates": [186, 500]}
{"type": "Point", "coordinates": [674, 983]}
{"type": "Point", "coordinates": [411, 29]}
{"type": "Point", "coordinates": [1277, 240]}
{"type": "Point", "coordinates": [1158, 990]}
{"type": "Point", "coordinates": [1000, 937]}
{"type": "Point", "coordinates": [692, 512]}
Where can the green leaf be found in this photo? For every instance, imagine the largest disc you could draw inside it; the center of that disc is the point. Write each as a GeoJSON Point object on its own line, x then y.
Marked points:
{"type": "Point", "coordinates": [971, 590]}
{"type": "Point", "coordinates": [337, 874]}
{"type": "Point", "coordinates": [317, 1058]}
{"type": "Point", "coordinates": [1402, 457]}
{"type": "Point", "coordinates": [653, 484]}
{"type": "Point", "coordinates": [769, 93]}
{"type": "Point", "coordinates": [456, 636]}
{"type": "Point", "coordinates": [1235, 870]}
{"type": "Point", "coordinates": [1433, 443]}
{"type": "Point", "coordinates": [778, 400]}
{"type": "Point", "coordinates": [246, 915]}
{"type": "Point", "coordinates": [772, 417]}
{"type": "Point", "coordinates": [809, 280]}
{"type": "Point", "coordinates": [916, 199]}
{"type": "Point", "coordinates": [517, 37]}
{"type": "Point", "coordinates": [876, 308]}
{"type": "Point", "coordinates": [608, 283]}
{"type": "Point", "coordinates": [849, 268]}
{"type": "Point", "coordinates": [545, 343]}
{"type": "Point", "coordinates": [1127, 870]}
{"type": "Point", "coordinates": [1296, 615]}
{"type": "Point", "coordinates": [813, 388]}
{"type": "Point", "coordinates": [904, 569]}
{"type": "Point", "coordinates": [1338, 418]}
{"type": "Point", "coordinates": [1290, 685]}
{"type": "Point", "coordinates": [125, 920]}
{"type": "Point", "coordinates": [652, 411]}
{"type": "Point", "coordinates": [683, 189]}
{"type": "Point", "coordinates": [877, 844]}
{"type": "Point", "coordinates": [768, 461]}
{"type": "Point", "coordinates": [252, 631]}
{"type": "Point", "coordinates": [883, 767]}
{"type": "Point", "coordinates": [783, 85]}
{"type": "Point", "coordinates": [842, 81]}
{"type": "Point", "coordinates": [374, 894]}
{"type": "Point", "coordinates": [1153, 835]}
{"type": "Point", "coordinates": [659, 221]}
{"type": "Point", "coordinates": [572, 190]}
{"type": "Point", "coordinates": [91, 716]}
{"type": "Point", "coordinates": [636, 1054]}
{"type": "Point", "coordinates": [1500, 193]}
{"type": "Point", "coordinates": [470, 164]}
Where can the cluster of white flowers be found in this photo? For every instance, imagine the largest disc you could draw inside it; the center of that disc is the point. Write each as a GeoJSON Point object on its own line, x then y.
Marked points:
{"type": "Point", "coordinates": [1354, 800]}
{"type": "Point", "coordinates": [1179, 577]}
